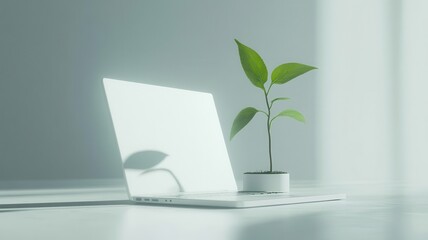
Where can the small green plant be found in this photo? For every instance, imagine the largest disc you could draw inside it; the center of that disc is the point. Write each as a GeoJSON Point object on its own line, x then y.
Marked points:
{"type": "Point", "coordinates": [257, 73]}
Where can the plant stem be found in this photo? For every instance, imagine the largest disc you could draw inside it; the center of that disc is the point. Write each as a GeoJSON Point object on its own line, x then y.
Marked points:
{"type": "Point", "coordinates": [268, 128]}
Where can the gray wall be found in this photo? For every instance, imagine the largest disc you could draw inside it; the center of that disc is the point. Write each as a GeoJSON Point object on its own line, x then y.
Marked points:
{"type": "Point", "coordinates": [54, 122]}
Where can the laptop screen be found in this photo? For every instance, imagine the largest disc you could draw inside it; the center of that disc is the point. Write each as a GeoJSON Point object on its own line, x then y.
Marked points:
{"type": "Point", "coordinates": [170, 140]}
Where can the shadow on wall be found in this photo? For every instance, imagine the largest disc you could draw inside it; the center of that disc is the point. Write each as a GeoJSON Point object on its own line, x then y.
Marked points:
{"type": "Point", "coordinates": [146, 161]}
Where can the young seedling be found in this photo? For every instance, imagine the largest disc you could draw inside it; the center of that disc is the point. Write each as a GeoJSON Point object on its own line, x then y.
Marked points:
{"type": "Point", "coordinates": [257, 73]}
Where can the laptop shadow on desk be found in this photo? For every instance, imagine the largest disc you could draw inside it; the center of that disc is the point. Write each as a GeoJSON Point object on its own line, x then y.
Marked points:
{"type": "Point", "coordinates": [307, 226]}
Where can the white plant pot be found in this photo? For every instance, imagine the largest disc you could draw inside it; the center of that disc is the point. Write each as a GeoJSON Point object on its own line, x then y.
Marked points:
{"type": "Point", "coordinates": [274, 182]}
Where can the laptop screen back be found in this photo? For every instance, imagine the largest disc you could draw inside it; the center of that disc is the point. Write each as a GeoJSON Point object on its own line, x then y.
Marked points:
{"type": "Point", "coordinates": [170, 140]}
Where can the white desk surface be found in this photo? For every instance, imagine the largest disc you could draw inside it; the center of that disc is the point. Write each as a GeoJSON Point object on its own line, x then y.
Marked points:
{"type": "Point", "coordinates": [384, 212]}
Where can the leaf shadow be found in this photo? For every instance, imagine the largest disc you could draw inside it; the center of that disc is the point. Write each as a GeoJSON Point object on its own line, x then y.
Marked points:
{"type": "Point", "coordinates": [146, 161]}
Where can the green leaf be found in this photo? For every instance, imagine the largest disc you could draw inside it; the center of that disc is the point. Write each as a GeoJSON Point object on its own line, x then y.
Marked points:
{"type": "Point", "coordinates": [288, 71]}
{"type": "Point", "coordinates": [290, 113]}
{"type": "Point", "coordinates": [253, 65]}
{"type": "Point", "coordinates": [242, 119]}
{"type": "Point", "coordinates": [278, 99]}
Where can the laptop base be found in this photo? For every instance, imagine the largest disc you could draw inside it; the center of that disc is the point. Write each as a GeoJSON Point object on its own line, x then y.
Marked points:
{"type": "Point", "coordinates": [236, 199]}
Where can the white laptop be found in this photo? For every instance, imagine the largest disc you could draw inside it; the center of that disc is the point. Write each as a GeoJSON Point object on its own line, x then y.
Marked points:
{"type": "Point", "coordinates": [173, 150]}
